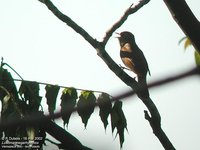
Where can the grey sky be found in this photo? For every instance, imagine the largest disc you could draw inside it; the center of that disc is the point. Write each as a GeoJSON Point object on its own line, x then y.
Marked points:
{"type": "Point", "coordinates": [42, 48]}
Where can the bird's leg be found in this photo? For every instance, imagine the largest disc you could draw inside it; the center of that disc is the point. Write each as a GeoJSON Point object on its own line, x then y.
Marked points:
{"type": "Point", "coordinates": [122, 67]}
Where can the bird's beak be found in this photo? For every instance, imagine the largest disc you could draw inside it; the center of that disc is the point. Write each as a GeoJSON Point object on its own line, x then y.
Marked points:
{"type": "Point", "coordinates": [117, 35]}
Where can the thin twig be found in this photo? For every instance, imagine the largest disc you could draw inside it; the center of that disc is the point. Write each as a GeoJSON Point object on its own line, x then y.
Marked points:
{"type": "Point", "coordinates": [59, 145]}
{"type": "Point", "coordinates": [61, 86]}
{"type": "Point", "coordinates": [13, 70]}
{"type": "Point", "coordinates": [132, 9]}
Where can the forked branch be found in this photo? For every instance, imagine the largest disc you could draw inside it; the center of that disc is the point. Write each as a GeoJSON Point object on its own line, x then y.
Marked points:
{"type": "Point", "coordinates": [154, 116]}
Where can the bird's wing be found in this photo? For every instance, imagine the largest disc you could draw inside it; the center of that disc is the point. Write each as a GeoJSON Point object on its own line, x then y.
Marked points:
{"type": "Point", "coordinates": [129, 63]}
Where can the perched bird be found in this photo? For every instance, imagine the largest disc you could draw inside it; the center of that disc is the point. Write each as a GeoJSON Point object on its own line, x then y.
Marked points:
{"type": "Point", "coordinates": [134, 59]}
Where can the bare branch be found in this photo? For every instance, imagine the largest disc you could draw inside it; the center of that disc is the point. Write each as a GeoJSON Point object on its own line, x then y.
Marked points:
{"type": "Point", "coordinates": [68, 141]}
{"type": "Point", "coordinates": [82, 32]}
{"type": "Point", "coordinates": [132, 9]}
{"type": "Point", "coordinates": [70, 22]}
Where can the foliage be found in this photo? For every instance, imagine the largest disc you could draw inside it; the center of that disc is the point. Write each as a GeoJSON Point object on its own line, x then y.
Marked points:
{"type": "Point", "coordinates": [197, 58]}
{"type": "Point", "coordinates": [105, 108]}
{"type": "Point", "coordinates": [188, 43]}
{"type": "Point", "coordinates": [118, 120]}
{"type": "Point", "coordinates": [86, 101]}
{"type": "Point", "coordinates": [18, 104]}
{"type": "Point", "coordinates": [51, 95]}
{"type": "Point", "coordinates": [14, 108]}
{"type": "Point", "coordinates": [68, 102]}
{"type": "Point", "coordinates": [30, 91]}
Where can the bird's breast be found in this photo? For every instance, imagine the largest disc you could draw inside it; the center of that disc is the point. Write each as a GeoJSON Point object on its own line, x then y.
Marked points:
{"type": "Point", "coordinates": [126, 48]}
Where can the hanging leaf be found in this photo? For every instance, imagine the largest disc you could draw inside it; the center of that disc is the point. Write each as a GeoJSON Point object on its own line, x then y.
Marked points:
{"type": "Point", "coordinates": [105, 108]}
{"type": "Point", "coordinates": [115, 118]}
{"type": "Point", "coordinates": [187, 43]}
{"type": "Point", "coordinates": [118, 121]}
{"type": "Point", "coordinates": [197, 58]}
{"type": "Point", "coordinates": [51, 96]}
{"type": "Point", "coordinates": [5, 103]}
{"type": "Point", "coordinates": [7, 82]}
{"type": "Point", "coordinates": [30, 90]}
{"type": "Point", "coordinates": [181, 40]}
{"type": "Point", "coordinates": [86, 105]}
{"type": "Point", "coordinates": [196, 54]}
{"type": "Point", "coordinates": [68, 102]}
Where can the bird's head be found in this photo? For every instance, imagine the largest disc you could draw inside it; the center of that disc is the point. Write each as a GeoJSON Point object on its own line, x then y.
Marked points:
{"type": "Point", "coordinates": [125, 37]}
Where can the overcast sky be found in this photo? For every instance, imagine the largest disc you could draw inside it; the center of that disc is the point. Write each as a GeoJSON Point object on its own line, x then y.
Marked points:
{"type": "Point", "coordinates": [42, 48]}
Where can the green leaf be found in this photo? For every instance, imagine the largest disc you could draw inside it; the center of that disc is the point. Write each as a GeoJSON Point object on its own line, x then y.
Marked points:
{"type": "Point", "coordinates": [68, 102]}
{"type": "Point", "coordinates": [118, 121]}
{"type": "Point", "coordinates": [30, 90]}
{"type": "Point", "coordinates": [196, 54]}
{"type": "Point", "coordinates": [186, 43]}
{"type": "Point", "coordinates": [181, 40]}
{"type": "Point", "coordinates": [51, 96]}
{"type": "Point", "coordinates": [105, 108]}
{"type": "Point", "coordinates": [86, 105]}
{"type": "Point", "coordinates": [197, 58]}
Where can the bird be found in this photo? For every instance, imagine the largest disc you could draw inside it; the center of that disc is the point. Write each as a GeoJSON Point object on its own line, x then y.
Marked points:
{"type": "Point", "coordinates": [134, 59]}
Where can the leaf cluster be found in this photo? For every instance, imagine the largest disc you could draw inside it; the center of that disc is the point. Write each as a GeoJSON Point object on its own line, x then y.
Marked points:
{"type": "Point", "coordinates": [14, 108]}
{"type": "Point", "coordinates": [85, 103]}
{"type": "Point", "coordinates": [17, 104]}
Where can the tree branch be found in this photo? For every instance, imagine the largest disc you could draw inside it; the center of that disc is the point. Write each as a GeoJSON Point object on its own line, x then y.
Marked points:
{"type": "Point", "coordinates": [100, 47]}
{"type": "Point", "coordinates": [68, 141]}
{"type": "Point", "coordinates": [186, 20]}
{"type": "Point", "coordinates": [70, 22]}
{"type": "Point", "coordinates": [44, 122]}
{"type": "Point", "coordinates": [132, 9]}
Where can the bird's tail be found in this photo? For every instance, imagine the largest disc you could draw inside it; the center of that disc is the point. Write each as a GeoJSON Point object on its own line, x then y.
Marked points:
{"type": "Point", "coordinates": [143, 88]}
